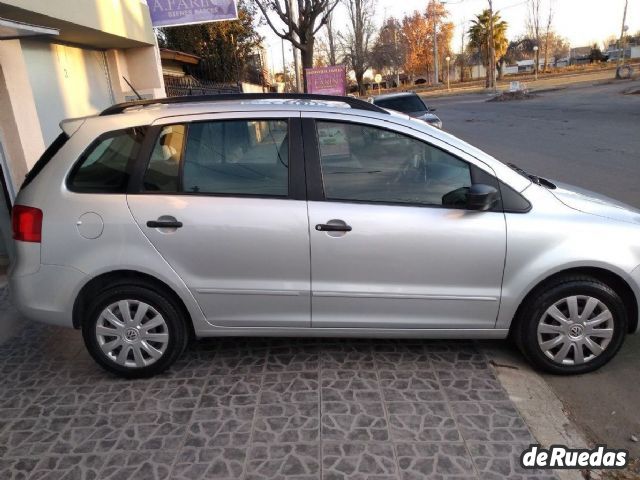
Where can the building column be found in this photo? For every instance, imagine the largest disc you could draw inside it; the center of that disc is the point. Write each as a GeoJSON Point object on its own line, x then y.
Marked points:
{"type": "Point", "coordinates": [20, 131]}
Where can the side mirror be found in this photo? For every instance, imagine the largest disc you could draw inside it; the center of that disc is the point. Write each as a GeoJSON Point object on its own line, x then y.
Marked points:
{"type": "Point", "coordinates": [431, 110]}
{"type": "Point", "coordinates": [482, 197]}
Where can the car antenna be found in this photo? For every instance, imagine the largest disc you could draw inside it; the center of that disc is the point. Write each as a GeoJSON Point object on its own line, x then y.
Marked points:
{"type": "Point", "coordinates": [131, 86]}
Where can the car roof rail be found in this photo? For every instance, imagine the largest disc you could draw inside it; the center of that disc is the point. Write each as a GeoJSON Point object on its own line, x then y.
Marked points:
{"type": "Point", "coordinates": [354, 103]}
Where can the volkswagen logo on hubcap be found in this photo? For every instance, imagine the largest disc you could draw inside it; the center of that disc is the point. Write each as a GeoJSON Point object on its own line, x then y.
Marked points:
{"type": "Point", "coordinates": [131, 335]}
{"type": "Point", "coordinates": [576, 331]}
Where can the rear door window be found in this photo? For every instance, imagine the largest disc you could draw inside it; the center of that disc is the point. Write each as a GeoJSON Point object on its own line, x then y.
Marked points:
{"type": "Point", "coordinates": [107, 166]}
{"type": "Point", "coordinates": [234, 157]}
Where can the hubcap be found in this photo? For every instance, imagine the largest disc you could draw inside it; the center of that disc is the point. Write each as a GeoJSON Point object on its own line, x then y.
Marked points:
{"type": "Point", "coordinates": [132, 333]}
{"type": "Point", "coordinates": [575, 330]}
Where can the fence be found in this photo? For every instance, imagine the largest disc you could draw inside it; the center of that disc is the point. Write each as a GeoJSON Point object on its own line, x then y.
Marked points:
{"type": "Point", "coordinates": [188, 85]}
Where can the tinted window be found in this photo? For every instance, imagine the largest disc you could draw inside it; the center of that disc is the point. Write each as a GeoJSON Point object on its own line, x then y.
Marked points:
{"type": "Point", "coordinates": [370, 164]}
{"type": "Point", "coordinates": [237, 158]}
{"type": "Point", "coordinates": [405, 104]}
{"type": "Point", "coordinates": [107, 166]}
{"type": "Point", "coordinates": [164, 165]}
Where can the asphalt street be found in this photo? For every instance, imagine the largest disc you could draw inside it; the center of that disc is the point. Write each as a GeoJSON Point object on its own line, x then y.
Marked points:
{"type": "Point", "coordinates": [589, 136]}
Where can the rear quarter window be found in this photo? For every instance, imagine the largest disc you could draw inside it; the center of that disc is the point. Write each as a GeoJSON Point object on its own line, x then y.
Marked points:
{"type": "Point", "coordinates": [107, 165]}
{"type": "Point", "coordinates": [46, 157]}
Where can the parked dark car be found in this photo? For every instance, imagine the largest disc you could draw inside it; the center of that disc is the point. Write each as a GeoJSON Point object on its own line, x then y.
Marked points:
{"type": "Point", "coordinates": [409, 103]}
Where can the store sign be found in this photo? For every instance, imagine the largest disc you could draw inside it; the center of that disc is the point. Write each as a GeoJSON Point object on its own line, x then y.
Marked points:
{"type": "Point", "coordinates": [172, 13]}
{"type": "Point", "coordinates": [327, 80]}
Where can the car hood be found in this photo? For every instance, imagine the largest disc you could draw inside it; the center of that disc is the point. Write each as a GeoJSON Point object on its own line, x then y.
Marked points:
{"type": "Point", "coordinates": [595, 204]}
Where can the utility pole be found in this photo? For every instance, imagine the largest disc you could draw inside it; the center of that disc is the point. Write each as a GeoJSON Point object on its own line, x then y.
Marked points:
{"type": "Point", "coordinates": [395, 47]}
{"type": "Point", "coordinates": [462, 58]}
{"type": "Point", "coordinates": [623, 29]}
{"type": "Point", "coordinates": [293, 8]}
{"type": "Point", "coordinates": [492, 49]}
{"type": "Point", "coordinates": [284, 67]}
{"type": "Point", "coordinates": [435, 43]}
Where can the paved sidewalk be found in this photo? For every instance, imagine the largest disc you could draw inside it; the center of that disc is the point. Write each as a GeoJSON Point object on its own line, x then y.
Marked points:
{"type": "Point", "coordinates": [259, 409]}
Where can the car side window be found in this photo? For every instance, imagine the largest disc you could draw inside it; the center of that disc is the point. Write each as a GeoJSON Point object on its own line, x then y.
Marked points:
{"type": "Point", "coordinates": [371, 164]}
{"type": "Point", "coordinates": [106, 167]}
{"type": "Point", "coordinates": [229, 157]}
{"type": "Point", "coordinates": [163, 172]}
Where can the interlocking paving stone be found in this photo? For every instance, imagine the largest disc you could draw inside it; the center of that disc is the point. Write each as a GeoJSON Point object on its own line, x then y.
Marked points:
{"type": "Point", "coordinates": [358, 461]}
{"type": "Point", "coordinates": [290, 387]}
{"type": "Point", "coordinates": [287, 423]}
{"type": "Point", "coordinates": [350, 386]}
{"type": "Point", "coordinates": [437, 461]}
{"type": "Point", "coordinates": [259, 408]}
{"type": "Point", "coordinates": [422, 422]}
{"type": "Point", "coordinates": [284, 461]}
{"type": "Point", "coordinates": [490, 422]}
{"type": "Point", "coordinates": [217, 463]}
{"type": "Point", "coordinates": [354, 421]}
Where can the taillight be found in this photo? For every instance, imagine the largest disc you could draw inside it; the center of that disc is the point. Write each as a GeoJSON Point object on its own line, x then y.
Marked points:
{"type": "Point", "coordinates": [26, 223]}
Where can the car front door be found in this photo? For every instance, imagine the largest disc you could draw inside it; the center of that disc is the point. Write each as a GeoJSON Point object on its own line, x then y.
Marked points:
{"type": "Point", "coordinates": [392, 244]}
{"type": "Point", "coordinates": [222, 200]}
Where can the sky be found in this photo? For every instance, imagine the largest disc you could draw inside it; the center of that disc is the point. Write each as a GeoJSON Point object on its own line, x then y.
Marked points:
{"type": "Point", "coordinates": [582, 22]}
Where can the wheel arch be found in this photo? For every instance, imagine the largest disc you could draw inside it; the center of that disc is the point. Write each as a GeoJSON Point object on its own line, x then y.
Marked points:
{"type": "Point", "coordinates": [615, 281]}
{"type": "Point", "coordinates": [123, 277]}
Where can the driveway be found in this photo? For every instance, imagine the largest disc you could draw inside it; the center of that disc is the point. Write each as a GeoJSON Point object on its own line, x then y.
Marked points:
{"type": "Point", "coordinates": [258, 409]}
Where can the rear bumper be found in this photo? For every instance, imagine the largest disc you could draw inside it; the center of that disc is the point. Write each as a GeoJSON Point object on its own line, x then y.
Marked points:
{"type": "Point", "coordinates": [48, 294]}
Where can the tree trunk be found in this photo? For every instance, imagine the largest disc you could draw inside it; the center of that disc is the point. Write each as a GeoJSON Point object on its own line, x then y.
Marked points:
{"type": "Point", "coordinates": [360, 81]}
{"type": "Point", "coordinates": [546, 52]}
{"type": "Point", "coordinates": [307, 59]}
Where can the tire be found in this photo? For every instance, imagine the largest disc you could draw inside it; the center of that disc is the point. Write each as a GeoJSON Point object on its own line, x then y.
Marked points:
{"type": "Point", "coordinates": [144, 346]}
{"type": "Point", "coordinates": [542, 334]}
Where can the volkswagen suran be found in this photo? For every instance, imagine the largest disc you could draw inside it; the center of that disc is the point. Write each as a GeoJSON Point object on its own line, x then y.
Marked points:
{"type": "Point", "coordinates": [159, 221]}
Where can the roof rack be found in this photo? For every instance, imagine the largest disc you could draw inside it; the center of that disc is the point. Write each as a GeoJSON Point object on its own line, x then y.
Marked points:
{"type": "Point", "coordinates": [354, 103]}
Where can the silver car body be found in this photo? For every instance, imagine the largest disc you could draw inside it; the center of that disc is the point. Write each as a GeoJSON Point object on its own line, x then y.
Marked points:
{"type": "Point", "coordinates": [248, 266]}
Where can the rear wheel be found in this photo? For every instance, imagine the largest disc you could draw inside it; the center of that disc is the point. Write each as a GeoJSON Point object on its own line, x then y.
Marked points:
{"type": "Point", "coordinates": [133, 331]}
{"type": "Point", "coordinates": [575, 325]}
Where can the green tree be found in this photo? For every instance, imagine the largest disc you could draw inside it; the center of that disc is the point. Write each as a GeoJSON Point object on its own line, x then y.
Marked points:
{"type": "Point", "coordinates": [226, 48]}
{"type": "Point", "coordinates": [479, 38]}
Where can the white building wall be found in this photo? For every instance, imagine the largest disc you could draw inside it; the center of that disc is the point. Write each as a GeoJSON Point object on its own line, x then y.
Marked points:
{"type": "Point", "coordinates": [67, 82]}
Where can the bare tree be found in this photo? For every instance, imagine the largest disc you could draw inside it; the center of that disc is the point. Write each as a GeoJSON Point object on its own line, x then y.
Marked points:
{"type": "Point", "coordinates": [331, 40]}
{"type": "Point", "coordinates": [533, 25]}
{"type": "Point", "coordinates": [357, 41]}
{"type": "Point", "coordinates": [547, 36]}
{"type": "Point", "coordinates": [301, 20]}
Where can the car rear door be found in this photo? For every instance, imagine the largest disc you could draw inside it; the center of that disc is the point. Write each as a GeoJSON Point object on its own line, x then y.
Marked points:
{"type": "Point", "coordinates": [223, 201]}
{"type": "Point", "coordinates": [387, 252]}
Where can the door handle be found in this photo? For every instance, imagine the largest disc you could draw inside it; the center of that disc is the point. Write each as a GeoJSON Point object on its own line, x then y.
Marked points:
{"type": "Point", "coordinates": [328, 227]}
{"type": "Point", "coordinates": [164, 224]}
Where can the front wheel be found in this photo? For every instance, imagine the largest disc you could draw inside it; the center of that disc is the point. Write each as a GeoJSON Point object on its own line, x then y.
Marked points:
{"type": "Point", "coordinates": [573, 326]}
{"type": "Point", "coordinates": [133, 331]}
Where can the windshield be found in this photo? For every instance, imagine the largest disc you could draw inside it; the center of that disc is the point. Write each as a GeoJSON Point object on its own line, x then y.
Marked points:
{"type": "Point", "coordinates": [405, 104]}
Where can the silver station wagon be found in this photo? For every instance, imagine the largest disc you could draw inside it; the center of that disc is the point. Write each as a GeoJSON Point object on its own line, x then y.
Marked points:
{"type": "Point", "coordinates": [296, 215]}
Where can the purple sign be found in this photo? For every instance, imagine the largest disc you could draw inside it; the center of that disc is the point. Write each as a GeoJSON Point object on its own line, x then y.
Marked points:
{"type": "Point", "coordinates": [171, 13]}
{"type": "Point", "coordinates": [327, 80]}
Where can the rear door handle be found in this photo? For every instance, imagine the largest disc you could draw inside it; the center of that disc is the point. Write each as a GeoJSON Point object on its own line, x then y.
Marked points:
{"type": "Point", "coordinates": [164, 224]}
{"type": "Point", "coordinates": [327, 227]}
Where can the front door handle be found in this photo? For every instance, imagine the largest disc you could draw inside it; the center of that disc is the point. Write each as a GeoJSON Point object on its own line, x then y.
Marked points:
{"type": "Point", "coordinates": [328, 227]}
{"type": "Point", "coordinates": [164, 224]}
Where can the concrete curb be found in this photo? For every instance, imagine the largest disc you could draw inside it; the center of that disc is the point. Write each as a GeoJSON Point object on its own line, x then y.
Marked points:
{"type": "Point", "coordinates": [541, 409]}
